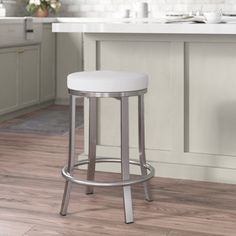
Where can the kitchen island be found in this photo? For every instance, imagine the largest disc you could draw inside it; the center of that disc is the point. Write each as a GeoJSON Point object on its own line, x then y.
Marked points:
{"type": "Point", "coordinates": [191, 100]}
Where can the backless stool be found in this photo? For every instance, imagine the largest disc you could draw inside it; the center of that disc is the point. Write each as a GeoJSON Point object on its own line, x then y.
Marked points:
{"type": "Point", "coordinates": [109, 84]}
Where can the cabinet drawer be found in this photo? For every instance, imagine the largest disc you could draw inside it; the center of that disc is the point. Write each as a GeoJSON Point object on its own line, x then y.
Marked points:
{"type": "Point", "coordinates": [14, 34]}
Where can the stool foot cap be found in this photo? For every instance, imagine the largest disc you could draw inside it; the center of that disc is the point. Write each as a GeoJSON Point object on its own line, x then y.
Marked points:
{"type": "Point", "coordinates": [62, 214]}
{"type": "Point", "coordinates": [149, 200]}
{"type": "Point", "coordinates": [129, 222]}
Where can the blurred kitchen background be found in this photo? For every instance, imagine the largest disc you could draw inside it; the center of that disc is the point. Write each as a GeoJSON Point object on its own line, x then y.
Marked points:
{"type": "Point", "coordinates": [109, 8]}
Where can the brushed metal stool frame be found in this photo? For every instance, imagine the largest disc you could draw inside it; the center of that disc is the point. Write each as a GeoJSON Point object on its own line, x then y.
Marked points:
{"type": "Point", "coordinates": [147, 170]}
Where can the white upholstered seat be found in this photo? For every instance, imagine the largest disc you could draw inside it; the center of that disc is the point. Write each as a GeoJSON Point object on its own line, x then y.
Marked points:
{"type": "Point", "coordinates": [107, 81]}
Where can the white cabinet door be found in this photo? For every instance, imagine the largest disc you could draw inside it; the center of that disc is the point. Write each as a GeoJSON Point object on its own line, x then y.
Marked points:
{"type": "Point", "coordinates": [19, 78]}
{"type": "Point", "coordinates": [8, 80]}
{"type": "Point", "coordinates": [29, 75]}
{"type": "Point", "coordinates": [47, 80]}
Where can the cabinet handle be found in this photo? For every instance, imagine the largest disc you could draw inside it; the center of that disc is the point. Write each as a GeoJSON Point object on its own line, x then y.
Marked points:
{"type": "Point", "coordinates": [20, 50]}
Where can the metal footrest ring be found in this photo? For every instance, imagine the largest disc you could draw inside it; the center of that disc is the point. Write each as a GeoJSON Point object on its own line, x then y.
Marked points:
{"type": "Point", "coordinates": [141, 179]}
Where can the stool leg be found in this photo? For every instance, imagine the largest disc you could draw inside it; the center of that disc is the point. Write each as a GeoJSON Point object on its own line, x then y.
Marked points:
{"type": "Point", "coordinates": [68, 184]}
{"type": "Point", "coordinates": [127, 197]}
{"type": "Point", "coordinates": [92, 141]}
{"type": "Point", "coordinates": [142, 156]}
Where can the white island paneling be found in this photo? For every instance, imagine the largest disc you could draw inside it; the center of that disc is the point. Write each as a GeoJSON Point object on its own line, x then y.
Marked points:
{"type": "Point", "coordinates": [190, 105]}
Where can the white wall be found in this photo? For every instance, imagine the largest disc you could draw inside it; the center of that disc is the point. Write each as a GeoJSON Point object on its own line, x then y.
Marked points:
{"type": "Point", "coordinates": [104, 8]}
{"type": "Point", "coordinates": [100, 8]}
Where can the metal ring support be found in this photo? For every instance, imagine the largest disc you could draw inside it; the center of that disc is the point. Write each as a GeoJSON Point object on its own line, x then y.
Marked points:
{"type": "Point", "coordinates": [141, 179]}
{"type": "Point", "coordinates": [107, 95]}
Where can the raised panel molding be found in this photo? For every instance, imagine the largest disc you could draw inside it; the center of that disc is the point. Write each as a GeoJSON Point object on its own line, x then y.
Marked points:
{"type": "Point", "coordinates": [211, 111]}
{"type": "Point", "coordinates": [129, 56]}
{"type": "Point", "coordinates": [9, 80]}
{"type": "Point", "coordinates": [29, 76]}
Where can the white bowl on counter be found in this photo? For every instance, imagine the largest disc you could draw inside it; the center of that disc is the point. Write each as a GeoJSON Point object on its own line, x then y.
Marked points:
{"type": "Point", "coordinates": [213, 17]}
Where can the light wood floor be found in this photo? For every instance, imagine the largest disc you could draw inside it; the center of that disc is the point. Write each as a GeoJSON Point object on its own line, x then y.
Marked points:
{"type": "Point", "coordinates": [31, 188]}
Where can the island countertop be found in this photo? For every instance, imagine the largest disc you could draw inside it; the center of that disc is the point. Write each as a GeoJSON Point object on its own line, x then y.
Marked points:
{"type": "Point", "coordinates": [140, 26]}
{"type": "Point", "coordinates": [149, 27]}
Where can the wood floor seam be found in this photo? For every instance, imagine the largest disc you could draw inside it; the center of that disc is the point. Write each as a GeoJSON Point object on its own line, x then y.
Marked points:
{"type": "Point", "coordinates": [25, 234]}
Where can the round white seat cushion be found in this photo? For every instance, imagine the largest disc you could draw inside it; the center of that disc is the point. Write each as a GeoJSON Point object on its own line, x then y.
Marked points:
{"type": "Point", "coordinates": [107, 81]}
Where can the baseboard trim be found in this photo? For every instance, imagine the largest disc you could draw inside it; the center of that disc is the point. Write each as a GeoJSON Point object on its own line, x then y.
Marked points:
{"type": "Point", "coordinates": [65, 101]}
{"type": "Point", "coordinates": [23, 111]}
{"type": "Point", "coordinates": [179, 171]}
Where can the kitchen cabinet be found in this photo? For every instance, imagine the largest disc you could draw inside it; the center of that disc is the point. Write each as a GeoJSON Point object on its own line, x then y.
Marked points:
{"type": "Point", "coordinates": [69, 60]}
{"type": "Point", "coordinates": [28, 73]}
{"type": "Point", "coordinates": [19, 83]}
{"type": "Point", "coordinates": [47, 70]}
{"type": "Point", "coordinates": [9, 80]}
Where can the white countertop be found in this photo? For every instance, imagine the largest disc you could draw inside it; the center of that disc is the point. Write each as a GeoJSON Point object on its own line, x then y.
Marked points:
{"type": "Point", "coordinates": [10, 20]}
{"type": "Point", "coordinates": [149, 28]}
{"type": "Point", "coordinates": [153, 26]}
{"type": "Point", "coordinates": [16, 20]}
{"type": "Point", "coordinates": [112, 25]}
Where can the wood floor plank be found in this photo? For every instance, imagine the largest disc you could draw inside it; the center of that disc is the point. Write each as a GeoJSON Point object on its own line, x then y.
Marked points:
{"type": "Point", "coordinates": [31, 189]}
{"type": "Point", "coordinates": [190, 233]}
{"type": "Point", "coordinates": [19, 229]}
{"type": "Point", "coordinates": [52, 231]}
